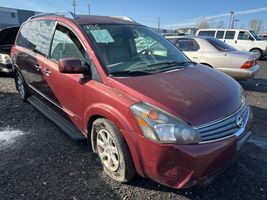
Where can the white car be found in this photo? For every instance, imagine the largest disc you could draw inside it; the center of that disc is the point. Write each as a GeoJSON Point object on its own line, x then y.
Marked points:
{"type": "Point", "coordinates": [219, 55]}
{"type": "Point", "coordinates": [241, 39]}
{"type": "Point", "coordinates": [5, 63]}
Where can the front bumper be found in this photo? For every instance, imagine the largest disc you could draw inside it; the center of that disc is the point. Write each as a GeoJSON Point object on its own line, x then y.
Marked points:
{"type": "Point", "coordinates": [241, 74]}
{"type": "Point", "coordinates": [7, 68]}
{"type": "Point", "coordinates": [182, 166]}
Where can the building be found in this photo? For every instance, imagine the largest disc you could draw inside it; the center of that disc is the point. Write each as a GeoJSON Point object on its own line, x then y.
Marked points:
{"type": "Point", "coordinates": [14, 17]}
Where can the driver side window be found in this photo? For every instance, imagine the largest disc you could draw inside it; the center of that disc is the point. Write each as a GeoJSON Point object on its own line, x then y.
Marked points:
{"type": "Point", "coordinates": [243, 35]}
{"type": "Point", "coordinates": [66, 45]}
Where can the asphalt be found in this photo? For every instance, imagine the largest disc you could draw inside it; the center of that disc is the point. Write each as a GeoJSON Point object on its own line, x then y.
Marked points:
{"type": "Point", "coordinates": [38, 160]}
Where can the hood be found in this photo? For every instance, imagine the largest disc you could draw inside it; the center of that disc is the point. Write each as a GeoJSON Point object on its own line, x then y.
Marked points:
{"type": "Point", "coordinates": [196, 95]}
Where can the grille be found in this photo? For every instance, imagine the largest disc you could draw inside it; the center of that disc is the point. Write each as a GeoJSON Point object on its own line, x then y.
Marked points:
{"type": "Point", "coordinates": [223, 128]}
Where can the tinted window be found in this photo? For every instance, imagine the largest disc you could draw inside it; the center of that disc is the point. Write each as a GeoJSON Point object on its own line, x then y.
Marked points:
{"type": "Point", "coordinates": [66, 45]}
{"type": "Point", "coordinates": [229, 35]}
{"type": "Point", "coordinates": [243, 35]}
{"type": "Point", "coordinates": [218, 44]}
{"type": "Point", "coordinates": [187, 44]}
{"type": "Point", "coordinates": [35, 35]}
{"type": "Point", "coordinates": [172, 40]}
{"type": "Point", "coordinates": [206, 33]}
{"type": "Point", "coordinates": [220, 34]}
{"type": "Point", "coordinates": [8, 36]}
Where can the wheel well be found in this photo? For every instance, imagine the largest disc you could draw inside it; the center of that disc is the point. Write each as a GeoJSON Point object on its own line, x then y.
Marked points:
{"type": "Point", "coordinates": [255, 49]}
{"type": "Point", "coordinates": [206, 64]}
{"type": "Point", "coordinates": [92, 138]}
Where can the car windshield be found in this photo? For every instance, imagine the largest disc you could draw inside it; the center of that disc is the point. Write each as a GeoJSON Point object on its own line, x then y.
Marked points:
{"type": "Point", "coordinates": [255, 35]}
{"type": "Point", "coordinates": [221, 46]}
{"type": "Point", "coordinates": [133, 49]}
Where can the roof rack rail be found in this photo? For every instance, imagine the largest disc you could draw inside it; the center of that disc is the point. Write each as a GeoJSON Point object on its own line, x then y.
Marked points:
{"type": "Point", "coordinates": [68, 14]}
{"type": "Point", "coordinates": [124, 18]}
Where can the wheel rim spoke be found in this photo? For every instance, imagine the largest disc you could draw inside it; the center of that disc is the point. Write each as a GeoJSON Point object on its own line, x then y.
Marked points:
{"type": "Point", "coordinates": [107, 150]}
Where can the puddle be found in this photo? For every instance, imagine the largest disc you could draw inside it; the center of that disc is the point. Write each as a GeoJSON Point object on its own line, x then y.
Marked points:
{"type": "Point", "coordinates": [261, 142]}
{"type": "Point", "coordinates": [8, 136]}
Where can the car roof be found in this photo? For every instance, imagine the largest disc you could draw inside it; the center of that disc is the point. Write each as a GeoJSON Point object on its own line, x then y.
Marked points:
{"type": "Point", "coordinates": [222, 29]}
{"type": "Point", "coordinates": [86, 19]}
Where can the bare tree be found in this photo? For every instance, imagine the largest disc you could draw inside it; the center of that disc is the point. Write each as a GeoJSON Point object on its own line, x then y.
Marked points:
{"type": "Point", "coordinates": [256, 25]}
{"type": "Point", "coordinates": [203, 23]}
{"type": "Point", "coordinates": [221, 24]}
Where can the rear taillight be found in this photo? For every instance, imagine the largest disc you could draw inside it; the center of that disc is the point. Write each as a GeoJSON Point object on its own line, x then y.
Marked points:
{"type": "Point", "coordinates": [12, 51]}
{"type": "Point", "coordinates": [249, 64]}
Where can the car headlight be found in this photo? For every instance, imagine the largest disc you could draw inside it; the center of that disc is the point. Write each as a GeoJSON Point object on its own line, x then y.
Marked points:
{"type": "Point", "coordinates": [162, 127]}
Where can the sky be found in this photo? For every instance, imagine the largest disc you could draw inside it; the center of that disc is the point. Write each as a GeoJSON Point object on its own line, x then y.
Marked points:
{"type": "Point", "coordinates": [172, 13]}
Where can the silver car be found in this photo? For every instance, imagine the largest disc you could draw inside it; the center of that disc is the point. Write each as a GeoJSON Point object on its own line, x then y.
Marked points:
{"type": "Point", "coordinates": [219, 55]}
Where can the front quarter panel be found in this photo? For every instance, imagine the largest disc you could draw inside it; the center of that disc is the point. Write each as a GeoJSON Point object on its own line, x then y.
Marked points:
{"type": "Point", "coordinates": [107, 102]}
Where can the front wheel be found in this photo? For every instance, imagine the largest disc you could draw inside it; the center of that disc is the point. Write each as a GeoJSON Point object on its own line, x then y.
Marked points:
{"type": "Point", "coordinates": [21, 86]}
{"type": "Point", "coordinates": [113, 151]}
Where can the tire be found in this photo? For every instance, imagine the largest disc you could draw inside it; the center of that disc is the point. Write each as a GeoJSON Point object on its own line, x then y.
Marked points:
{"type": "Point", "coordinates": [258, 53]}
{"type": "Point", "coordinates": [113, 151]}
{"type": "Point", "coordinates": [21, 86]}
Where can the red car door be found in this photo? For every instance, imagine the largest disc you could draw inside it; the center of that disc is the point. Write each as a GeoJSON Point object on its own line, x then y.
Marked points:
{"type": "Point", "coordinates": [66, 91]}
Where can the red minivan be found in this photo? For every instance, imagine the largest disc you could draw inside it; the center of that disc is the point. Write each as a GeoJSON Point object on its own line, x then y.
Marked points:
{"type": "Point", "coordinates": [141, 103]}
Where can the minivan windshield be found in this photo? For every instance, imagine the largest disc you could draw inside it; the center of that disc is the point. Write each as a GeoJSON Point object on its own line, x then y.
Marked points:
{"type": "Point", "coordinates": [133, 49]}
{"type": "Point", "coordinates": [255, 35]}
{"type": "Point", "coordinates": [218, 44]}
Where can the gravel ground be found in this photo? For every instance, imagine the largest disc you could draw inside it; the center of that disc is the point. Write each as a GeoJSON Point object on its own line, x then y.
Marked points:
{"type": "Point", "coordinates": [38, 161]}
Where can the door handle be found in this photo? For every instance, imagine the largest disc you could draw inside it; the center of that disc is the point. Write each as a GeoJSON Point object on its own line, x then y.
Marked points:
{"type": "Point", "coordinates": [235, 41]}
{"type": "Point", "coordinates": [47, 72]}
{"type": "Point", "coordinates": [38, 68]}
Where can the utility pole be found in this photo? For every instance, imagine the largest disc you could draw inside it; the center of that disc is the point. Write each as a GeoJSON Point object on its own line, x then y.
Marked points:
{"type": "Point", "coordinates": [74, 6]}
{"type": "Point", "coordinates": [236, 20]}
{"type": "Point", "coordinates": [158, 25]}
{"type": "Point", "coordinates": [231, 19]}
{"type": "Point", "coordinates": [89, 9]}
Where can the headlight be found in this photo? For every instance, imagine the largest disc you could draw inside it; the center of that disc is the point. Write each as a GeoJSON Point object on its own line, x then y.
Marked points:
{"type": "Point", "coordinates": [243, 97]}
{"type": "Point", "coordinates": [161, 127]}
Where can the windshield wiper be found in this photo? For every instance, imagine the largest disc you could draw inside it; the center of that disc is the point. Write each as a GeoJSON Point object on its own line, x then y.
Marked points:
{"type": "Point", "coordinates": [172, 63]}
{"type": "Point", "coordinates": [131, 73]}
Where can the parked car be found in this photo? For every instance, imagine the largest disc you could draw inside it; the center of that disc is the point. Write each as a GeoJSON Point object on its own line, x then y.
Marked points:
{"type": "Point", "coordinates": [143, 108]}
{"type": "Point", "coordinates": [241, 39]}
{"type": "Point", "coordinates": [7, 40]}
{"type": "Point", "coordinates": [217, 54]}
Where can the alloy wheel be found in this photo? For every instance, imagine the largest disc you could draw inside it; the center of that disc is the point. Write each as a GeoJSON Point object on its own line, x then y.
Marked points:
{"type": "Point", "coordinates": [20, 85]}
{"type": "Point", "coordinates": [107, 150]}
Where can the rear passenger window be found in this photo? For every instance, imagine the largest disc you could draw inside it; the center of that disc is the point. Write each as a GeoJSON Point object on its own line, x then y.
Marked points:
{"type": "Point", "coordinates": [66, 45]}
{"type": "Point", "coordinates": [229, 35]}
{"type": "Point", "coordinates": [187, 44]}
{"type": "Point", "coordinates": [206, 33]}
{"type": "Point", "coordinates": [220, 34]}
{"type": "Point", "coordinates": [35, 35]}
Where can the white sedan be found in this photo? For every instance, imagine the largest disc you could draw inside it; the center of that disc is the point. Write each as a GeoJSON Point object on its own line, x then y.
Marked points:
{"type": "Point", "coordinates": [217, 54]}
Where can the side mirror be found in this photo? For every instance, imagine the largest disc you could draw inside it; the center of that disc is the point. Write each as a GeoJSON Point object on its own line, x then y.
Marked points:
{"type": "Point", "coordinates": [70, 66]}
{"type": "Point", "coordinates": [251, 38]}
